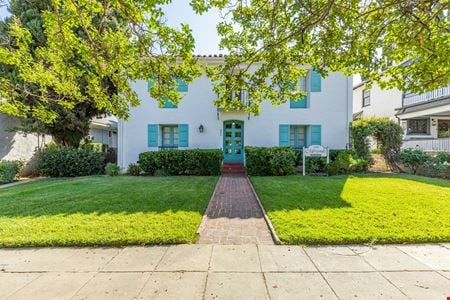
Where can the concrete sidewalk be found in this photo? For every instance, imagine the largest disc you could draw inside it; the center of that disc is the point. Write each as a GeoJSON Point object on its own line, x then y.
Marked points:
{"type": "Point", "coordinates": [227, 272]}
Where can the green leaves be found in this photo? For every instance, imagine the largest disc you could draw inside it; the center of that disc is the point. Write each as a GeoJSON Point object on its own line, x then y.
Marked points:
{"type": "Point", "coordinates": [70, 52]}
{"type": "Point", "coordinates": [92, 52]}
{"type": "Point", "coordinates": [402, 44]}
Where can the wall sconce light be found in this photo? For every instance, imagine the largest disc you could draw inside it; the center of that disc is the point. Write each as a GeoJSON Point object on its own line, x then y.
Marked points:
{"type": "Point", "coordinates": [201, 128]}
{"type": "Point", "coordinates": [433, 122]}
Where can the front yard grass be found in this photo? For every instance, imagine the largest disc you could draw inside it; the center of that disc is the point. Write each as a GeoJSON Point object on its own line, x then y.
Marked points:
{"type": "Point", "coordinates": [357, 209]}
{"type": "Point", "coordinates": [104, 211]}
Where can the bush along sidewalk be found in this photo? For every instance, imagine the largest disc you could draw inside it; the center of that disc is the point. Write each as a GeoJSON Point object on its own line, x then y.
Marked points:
{"type": "Point", "coordinates": [198, 162]}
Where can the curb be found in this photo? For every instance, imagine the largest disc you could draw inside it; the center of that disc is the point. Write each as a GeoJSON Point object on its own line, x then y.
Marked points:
{"type": "Point", "coordinates": [275, 237]}
{"type": "Point", "coordinates": [205, 214]}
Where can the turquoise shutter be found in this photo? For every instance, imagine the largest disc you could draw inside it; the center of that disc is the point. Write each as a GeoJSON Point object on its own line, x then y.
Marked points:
{"type": "Point", "coordinates": [284, 135]}
{"type": "Point", "coordinates": [182, 86]}
{"type": "Point", "coordinates": [316, 134]}
{"type": "Point", "coordinates": [152, 137]}
{"type": "Point", "coordinates": [301, 103]}
{"type": "Point", "coordinates": [316, 81]}
{"type": "Point", "coordinates": [168, 104]}
{"type": "Point", "coordinates": [183, 135]}
{"type": "Point", "coordinates": [150, 84]}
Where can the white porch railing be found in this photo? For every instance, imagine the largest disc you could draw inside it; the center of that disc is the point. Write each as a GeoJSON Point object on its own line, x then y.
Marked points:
{"type": "Point", "coordinates": [410, 99]}
{"type": "Point", "coordinates": [428, 144]}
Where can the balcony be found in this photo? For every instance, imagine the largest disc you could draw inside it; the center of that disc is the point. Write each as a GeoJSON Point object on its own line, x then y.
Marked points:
{"type": "Point", "coordinates": [412, 99]}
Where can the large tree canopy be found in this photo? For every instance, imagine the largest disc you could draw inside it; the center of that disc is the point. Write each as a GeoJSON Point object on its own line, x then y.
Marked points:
{"type": "Point", "coordinates": [397, 43]}
{"type": "Point", "coordinates": [270, 45]}
{"type": "Point", "coordinates": [91, 46]}
{"type": "Point", "coordinates": [69, 125]}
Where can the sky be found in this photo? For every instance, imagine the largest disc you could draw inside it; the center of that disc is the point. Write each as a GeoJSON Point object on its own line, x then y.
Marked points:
{"type": "Point", "coordinates": [203, 26]}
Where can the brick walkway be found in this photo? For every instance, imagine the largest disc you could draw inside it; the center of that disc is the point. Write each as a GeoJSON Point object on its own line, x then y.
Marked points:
{"type": "Point", "coordinates": [233, 215]}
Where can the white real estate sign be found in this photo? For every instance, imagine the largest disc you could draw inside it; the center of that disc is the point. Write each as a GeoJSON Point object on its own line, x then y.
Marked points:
{"type": "Point", "coordinates": [315, 151]}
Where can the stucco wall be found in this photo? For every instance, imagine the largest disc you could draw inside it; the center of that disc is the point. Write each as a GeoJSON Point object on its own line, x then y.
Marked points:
{"type": "Point", "coordinates": [331, 108]}
{"type": "Point", "coordinates": [15, 145]}
{"type": "Point", "coordinates": [382, 102]}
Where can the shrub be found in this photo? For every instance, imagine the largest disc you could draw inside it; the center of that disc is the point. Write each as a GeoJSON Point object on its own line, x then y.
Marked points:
{"type": "Point", "coordinates": [316, 164]}
{"type": "Point", "coordinates": [438, 163]}
{"type": "Point", "coordinates": [319, 164]}
{"type": "Point", "coordinates": [112, 169]}
{"type": "Point", "coordinates": [9, 170]}
{"type": "Point", "coordinates": [199, 162]}
{"type": "Point", "coordinates": [346, 163]}
{"type": "Point", "coordinates": [161, 173]}
{"type": "Point", "coordinates": [275, 161]}
{"type": "Point", "coordinates": [69, 162]}
{"type": "Point", "coordinates": [134, 169]}
{"type": "Point", "coordinates": [413, 159]}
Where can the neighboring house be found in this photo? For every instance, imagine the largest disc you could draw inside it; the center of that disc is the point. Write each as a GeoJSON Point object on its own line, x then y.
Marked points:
{"type": "Point", "coordinates": [104, 130]}
{"type": "Point", "coordinates": [375, 102]}
{"type": "Point", "coordinates": [20, 146]}
{"type": "Point", "coordinates": [17, 145]}
{"type": "Point", "coordinates": [322, 118]}
{"type": "Point", "coordinates": [425, 118]}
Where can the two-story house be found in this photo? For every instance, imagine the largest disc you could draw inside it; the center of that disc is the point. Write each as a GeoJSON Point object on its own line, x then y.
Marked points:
{"type": "Point", "coordinates": [323, 117]}
{"type": "Point", "coordinates": [425, 118]}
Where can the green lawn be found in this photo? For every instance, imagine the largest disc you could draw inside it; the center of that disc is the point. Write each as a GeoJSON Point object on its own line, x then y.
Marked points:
{"type": "Point", "coordinates": [357, 209]}
{"type": "Point", "coordinates": [104, 211]}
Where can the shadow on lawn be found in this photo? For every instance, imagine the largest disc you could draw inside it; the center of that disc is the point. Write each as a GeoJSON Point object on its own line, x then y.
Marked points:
{"type": "Point", "coordinates": [95, 195]}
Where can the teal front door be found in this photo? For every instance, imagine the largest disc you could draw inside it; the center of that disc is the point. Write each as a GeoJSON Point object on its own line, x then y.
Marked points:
{"type": "Point", "coordinates": [233, 141]}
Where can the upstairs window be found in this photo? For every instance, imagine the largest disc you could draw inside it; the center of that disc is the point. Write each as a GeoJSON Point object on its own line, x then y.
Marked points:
{"type": "Point", "coordinates": [418, 126]}
{"type": "Point", "coordinates": [182, 87]}
{"type": "Point", "coordinates": [302, 102]}
{"type": "Point", "coordinates": [366, 98]}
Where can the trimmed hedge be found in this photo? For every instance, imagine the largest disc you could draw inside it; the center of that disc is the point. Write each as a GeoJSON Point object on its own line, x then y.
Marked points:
{"type": "Point", "coordinates": [198, 162]}
{"type": "Point", "coordinates": [69, 162]}
{"type": "Point", "coordinates": [274, 161]}
{"type": "Point", "coordinates": [9, 170]}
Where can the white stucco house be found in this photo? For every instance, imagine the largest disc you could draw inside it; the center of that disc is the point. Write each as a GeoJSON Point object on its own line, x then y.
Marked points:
{"type": "Point", "coordinates": [323, 118]}
{"type": "Point", "coordinates": [425, 118]}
